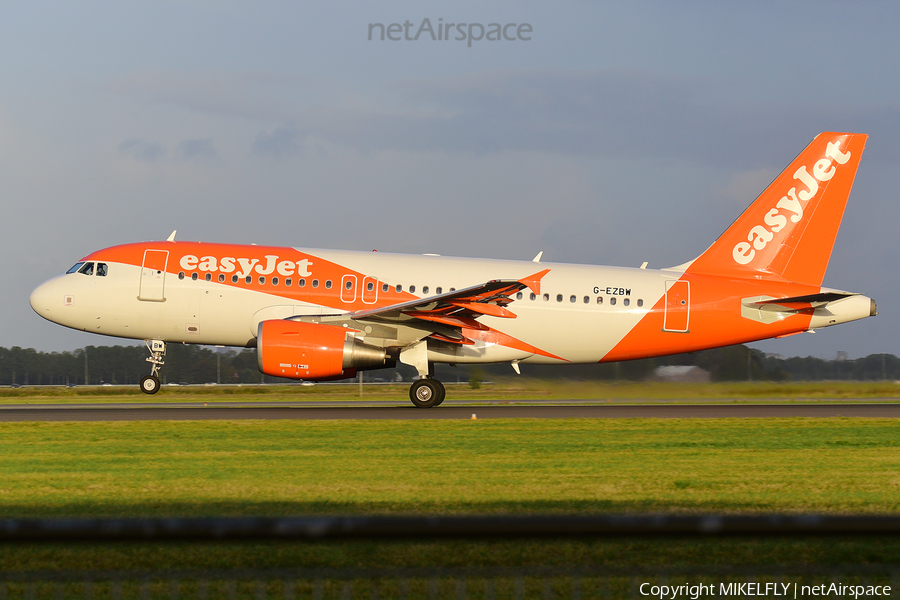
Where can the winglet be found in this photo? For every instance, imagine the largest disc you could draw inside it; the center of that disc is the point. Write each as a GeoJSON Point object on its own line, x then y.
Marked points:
{"type": "Point", "coordinates": [171, 238]}
{"type": "Point", "coordinates": [533, 282]}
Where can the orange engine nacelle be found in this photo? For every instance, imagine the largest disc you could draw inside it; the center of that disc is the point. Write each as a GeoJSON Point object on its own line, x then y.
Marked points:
{"type": "Point", "coordinates": [313, 351]}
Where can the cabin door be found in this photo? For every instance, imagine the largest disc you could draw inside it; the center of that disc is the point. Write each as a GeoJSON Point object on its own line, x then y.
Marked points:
{"type": "Point", "coordinates": [153, 276]}
{"type": "Point", "coordinates": [678, 306]}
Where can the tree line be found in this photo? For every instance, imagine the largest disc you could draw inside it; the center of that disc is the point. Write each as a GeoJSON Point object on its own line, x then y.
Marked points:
{"type": "Point", "coordinates": [125, 365]}
{"type": "Point", "coordinates": [200, 364]}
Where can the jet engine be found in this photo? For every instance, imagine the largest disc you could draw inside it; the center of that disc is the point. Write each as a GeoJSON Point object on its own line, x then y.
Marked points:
{"type": "Point", "coordinates": [313, 351]}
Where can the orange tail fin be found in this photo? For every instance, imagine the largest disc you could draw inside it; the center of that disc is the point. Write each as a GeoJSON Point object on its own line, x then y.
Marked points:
{"type": "Point", "coordinates": [789, 230]}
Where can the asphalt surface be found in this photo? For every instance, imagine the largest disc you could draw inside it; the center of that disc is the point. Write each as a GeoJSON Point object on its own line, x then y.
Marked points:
{"type": "Point", "coordinates": [190, 412]}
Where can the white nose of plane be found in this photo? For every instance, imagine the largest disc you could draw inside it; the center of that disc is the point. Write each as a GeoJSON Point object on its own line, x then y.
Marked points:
{"type": "Point", "coordinates": [42, 300]}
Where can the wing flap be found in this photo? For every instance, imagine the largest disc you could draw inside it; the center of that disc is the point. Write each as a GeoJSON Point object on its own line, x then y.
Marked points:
{"type": "Point", "coordinates": [453, 316]}
{"type": "Point", "coordinates": [490, 298]}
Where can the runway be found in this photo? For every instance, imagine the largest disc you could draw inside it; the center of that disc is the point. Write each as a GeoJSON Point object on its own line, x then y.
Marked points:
{"type": "Point", "coordinates": [296, 411]}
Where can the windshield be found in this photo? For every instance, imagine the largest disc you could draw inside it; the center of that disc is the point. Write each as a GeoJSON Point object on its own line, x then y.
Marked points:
{"type": "Point", "coordinates": [74, 268]}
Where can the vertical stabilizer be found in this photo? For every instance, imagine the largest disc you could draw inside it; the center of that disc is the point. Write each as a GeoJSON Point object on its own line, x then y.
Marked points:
{"type": "Point", "coordinates": [789, 230]}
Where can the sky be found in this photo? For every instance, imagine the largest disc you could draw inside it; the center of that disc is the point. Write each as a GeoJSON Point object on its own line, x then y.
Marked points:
{"type": "Point", "coordinates": [609, 133]}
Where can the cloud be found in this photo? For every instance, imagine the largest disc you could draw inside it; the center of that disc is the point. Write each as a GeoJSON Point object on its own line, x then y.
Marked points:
{"type": "Point", "coordinates": [283, 141]}
{"type": "Point", "coordinates": [251, 95]}
{"type": "Point", "coordinates": [606, 113]}
{"type": "Point", "coordinates": [628, 114]}
{"type": "Point", "coordinates": [196, 149]}
{"type": "Point", "coordinates": [142, 150]}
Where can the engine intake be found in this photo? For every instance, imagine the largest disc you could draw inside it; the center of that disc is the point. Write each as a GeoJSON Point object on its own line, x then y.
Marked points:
{"type": "Point", "coordinates": [300, 350]}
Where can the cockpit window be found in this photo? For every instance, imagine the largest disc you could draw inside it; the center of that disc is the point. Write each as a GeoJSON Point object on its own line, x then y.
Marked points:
{"type": "Point", "coordinates": [87, 269]}
{"type": "Point", "coordinates": [74, 268]}
{"type": "Point", "coordinates": [101, 269]}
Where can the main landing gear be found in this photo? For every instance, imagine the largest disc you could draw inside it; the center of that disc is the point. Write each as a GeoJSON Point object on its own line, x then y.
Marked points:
{"type": "Point", "coordinates": [157, 348]}
{"type": "Point", "coordinates": [427, 392]}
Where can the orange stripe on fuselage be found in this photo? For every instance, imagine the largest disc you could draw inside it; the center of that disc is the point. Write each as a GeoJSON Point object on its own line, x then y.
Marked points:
{"type": "Point", "coordinates": [209, 255]}
{"type": "Point", "coordinates": [715, 319]}
{"type": "Point", "coordinates": [318, 268]}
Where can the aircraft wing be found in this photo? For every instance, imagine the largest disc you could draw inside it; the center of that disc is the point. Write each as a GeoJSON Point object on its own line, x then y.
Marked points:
{"type": "Point", "coordinates": [458, 309]}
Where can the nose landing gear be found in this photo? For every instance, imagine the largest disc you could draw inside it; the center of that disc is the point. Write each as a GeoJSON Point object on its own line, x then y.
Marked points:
{"type": "Point", "coordinates": [150, 383]}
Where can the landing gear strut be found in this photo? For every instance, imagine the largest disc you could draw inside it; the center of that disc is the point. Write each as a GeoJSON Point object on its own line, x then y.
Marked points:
{"type": "Point", "coordinates": [427, 392]}
{"type": "Point", "coordinates": [157, 348]}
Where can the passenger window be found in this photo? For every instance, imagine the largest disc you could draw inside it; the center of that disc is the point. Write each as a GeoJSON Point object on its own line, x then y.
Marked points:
{"type": "Point", "coordinates": [369, 286]}
{"type": "Point", "coordinates": [248, 279]}
{"type": "Point", "coordinates": [587, 299]}
{"type": "Point", "coordinates": [546, 297]}
{"type": "Point", "coordinates": [349, 285]}
{"type": "Point", "coordinates": [532, 296]}
{"type": "Point", "coordinates": [327, 284]}
{"type": "Point", "coordinates": [559, 297]}
{"type": "Point", "coordinates": [315, 283]}
{"type": "Point", "coordinates": [101, 269]}
{"type": "Point", "coordinates": [74, 268]}
{"type": "Point", "coordinates": [399, 288]}
{"type": "Point", "coordinates": [262, 281]}
{"type": "Point", "coordinates": [412, 289]}
{"type": "Point", "coordinates": [274, 281]}
{"type": "Point", "coordinates": [208, 277]}
{"type": "Point", "coordinates": [181, 275]}
{"type": "Point", "coordinates": [234, 279]}
{"type": "Point", "coordinates": [572, 299]}
{"type": "Point", "coordinates": [612, 301]}
{"type": "Point", "coordinates": [385, 287]}
{"type": "Point", "coordinates": [221, 278]}
{"type": "Point", "coordinates": [424, 289]}
{"type": "Point", "coordinates": [194, 275]}
{"type": "Point", "coordinates": [288, 282]}
{"type": "Point", "coordinates": [87, 269]}
{"type": "Point", "coordinates": [640, 303]}
{"type": "Point", "coordinates": [301, 282]}
{"type": "Point", "coordinates": [599, 299]}
{"type": "Point", "coordinates": [626, 301]}
{"type": "Point", "coordinates": [439, 290]}
{"type": "Point", "coordinates": [519, 295]}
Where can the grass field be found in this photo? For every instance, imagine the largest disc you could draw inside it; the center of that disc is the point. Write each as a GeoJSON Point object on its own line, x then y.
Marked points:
{"type": "Point", "coordinates": [289, 467]}
{"type": "Point", "coordinates": [450, 467]}
{"type": "Point", "coordinates": [511, 389]}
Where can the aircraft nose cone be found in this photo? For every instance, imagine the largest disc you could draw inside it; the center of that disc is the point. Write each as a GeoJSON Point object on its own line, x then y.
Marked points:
{"type": "Point", "coordinates": [41, 300]}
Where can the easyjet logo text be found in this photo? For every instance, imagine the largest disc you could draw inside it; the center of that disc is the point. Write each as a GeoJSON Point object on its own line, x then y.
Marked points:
{"type": "Point", "coordinates": [791, 205]}
{"type": "Point", "coordinates": [245, 266]}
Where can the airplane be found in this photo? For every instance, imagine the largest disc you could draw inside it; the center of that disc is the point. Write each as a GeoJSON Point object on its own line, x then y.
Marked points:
{"type": "Point", "coordinates": [319, 315]}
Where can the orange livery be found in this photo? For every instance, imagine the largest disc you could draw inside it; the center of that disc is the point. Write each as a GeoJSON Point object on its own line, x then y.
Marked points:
{"type": "Point", "coordinates": [326, 314]}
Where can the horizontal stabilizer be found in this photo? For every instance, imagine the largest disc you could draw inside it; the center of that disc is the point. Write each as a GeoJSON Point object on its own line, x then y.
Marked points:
{"type": "Point", "coordinates": [808, 301]}
{"type": "Point", "coordinates": [766, 309]}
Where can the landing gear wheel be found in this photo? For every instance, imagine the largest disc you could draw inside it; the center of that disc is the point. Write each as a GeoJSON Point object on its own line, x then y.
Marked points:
{"type": "Point", "coordinates": [150, 384]}
{"type": "Point", "coordinates": [426, 393]}
{"type": "Point", "coordinates": [442, 394]}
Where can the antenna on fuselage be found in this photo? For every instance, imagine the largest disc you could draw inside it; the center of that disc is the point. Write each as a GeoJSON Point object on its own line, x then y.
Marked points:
{"type": "Point", "coordinates": [171, 238]}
